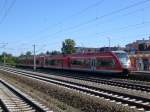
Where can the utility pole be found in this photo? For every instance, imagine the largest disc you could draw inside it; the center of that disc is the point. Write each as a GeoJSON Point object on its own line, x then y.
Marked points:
{"type": "Point", "coordinates": [109, 42]}
{"type": "Point", "coordinates": [3, 46]}
{"type": "Point", "coordinates": [34, 58]}
{"type": "Point", "coordinates": [4, 58]}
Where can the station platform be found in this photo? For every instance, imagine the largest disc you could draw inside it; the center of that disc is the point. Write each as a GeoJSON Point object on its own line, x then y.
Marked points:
{"type": "Point", "coordinates": [141, 72]}
{"type": "Point", "coordinates": [141, 75]}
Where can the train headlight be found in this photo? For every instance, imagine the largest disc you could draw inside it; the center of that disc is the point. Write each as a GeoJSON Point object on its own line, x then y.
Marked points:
{"type": "Point", "coordinates": [127, 64]}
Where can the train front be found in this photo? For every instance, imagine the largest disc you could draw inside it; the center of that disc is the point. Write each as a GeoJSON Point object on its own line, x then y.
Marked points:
{"type": "Point", "coordinates": [124, 60]}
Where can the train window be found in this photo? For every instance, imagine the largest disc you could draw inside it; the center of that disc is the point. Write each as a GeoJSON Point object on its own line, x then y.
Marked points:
{"type": "Point", "coordinates": [53, 62]}
{"type": "Point", "coordinates": [76, 62]}
{"type": "Point", "coordinates": [46, 62]}
{"type": "Point", "coordinates": [37, 62]}
{"type": "Point", "coordinates": [32, 61]}
{"type": "Point", "coordinates": [50, 62]}
{"type": "Point", "coordinates": [80, 62]}
{"type": "Point", "coordinates": [123, 57]}
{"type": "Point", "coordinates": [86, 62]}
{"type": "Point", "coordinates": [59, 62]}
{"type": "Point", "coordinates": [105, 63]}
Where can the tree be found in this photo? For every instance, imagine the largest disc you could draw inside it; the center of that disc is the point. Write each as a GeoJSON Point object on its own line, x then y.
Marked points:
{"type": "Point", "coordinates": [68, 46]}
{"type": "Point", "coordinates": [41, 54]}
{"type": "Point", "coordinates": [28, 53]}
{"type": "Point", "coordinates": [55, 53]}
{"type": "Point", "coordinates": [21, 55]}
{"type": "Point", "coordinates": [9, 58]}
{"type": "Point", "coordinates": [142, 47]}
{"type": "Point", "coordinates": [1, 59]}
{"type": "Point", "coordinates": [48, 53]}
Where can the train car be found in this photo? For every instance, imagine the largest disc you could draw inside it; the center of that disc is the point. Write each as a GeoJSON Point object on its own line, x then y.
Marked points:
{"type": "Point", "coordinates": [81, 62]}
{"type": "Point", "coordinates": [56, 62]}
{"type": "Point", "coordinates": [102, 62]}
{"type": "Point", "coordinates": [124, 61]}
{"type": "Point", "coordinates": [28, 61]}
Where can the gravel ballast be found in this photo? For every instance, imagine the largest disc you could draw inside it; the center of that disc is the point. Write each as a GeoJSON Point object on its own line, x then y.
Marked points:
{"type": "Point", "coordinates": [78, 100]}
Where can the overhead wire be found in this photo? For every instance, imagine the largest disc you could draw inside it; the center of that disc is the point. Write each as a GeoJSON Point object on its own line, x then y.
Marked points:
{"type": "Point", "coordinates": [127, 26]}
{"type": "Point", "coordinates": [108, 14]}
{"type": "Point", "coordinates": [76, 14]}
{"type": "Point", "coordinates": [123, 15]}
{"type": "Point", "coordinates": [137, 25]}
{"type": "Point", "coordinates": [7, 11]}
{"type": "Point", "coordinates": [101, 17]}
{"type": "Point", "coordinates": [3, 6]}
{"type": "Point", "coordinates": [73, 15]}
{"type": "Point", "coordinates": [85, 9]}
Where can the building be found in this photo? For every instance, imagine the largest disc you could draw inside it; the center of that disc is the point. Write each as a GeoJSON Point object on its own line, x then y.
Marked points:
{"type": "Point", "coordinates": [86, 50]}
{"type": "Point", "coordinates": [139, 45]}
{"type": "Point", "coordinates": [95, 50]}
{"type": "Point", "coordinates": [139, 53]}
{"type": "Point", "coordinates": [140, 61]}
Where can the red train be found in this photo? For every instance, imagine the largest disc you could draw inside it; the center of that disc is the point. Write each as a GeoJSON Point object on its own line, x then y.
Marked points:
{"type": "Point", "coordinates": [103, 62]}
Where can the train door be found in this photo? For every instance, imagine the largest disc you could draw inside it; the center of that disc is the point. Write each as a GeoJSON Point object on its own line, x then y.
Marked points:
{"type": "Point", "coordinates": [93, 64]}
{"type": "Point", "coordinates": [42, 61]}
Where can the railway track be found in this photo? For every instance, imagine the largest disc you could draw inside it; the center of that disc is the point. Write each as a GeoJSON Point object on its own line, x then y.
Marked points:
{"type": "Point", "coordinates": [118, 83]}
{"type": "Point", "coordinates": [136, 85]}
{"type": "Point", "coordinates": [3, 108]}
{"type": "Point", "coordinates": [13, 100]}
{"type": "Point", "coordinates": [125, 83]}
{"type": "Point", "coordinates": [142, 104]}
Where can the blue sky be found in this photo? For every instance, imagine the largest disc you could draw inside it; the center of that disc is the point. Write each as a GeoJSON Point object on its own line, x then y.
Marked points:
{"type": "Point", "coordinates": [47, 23]}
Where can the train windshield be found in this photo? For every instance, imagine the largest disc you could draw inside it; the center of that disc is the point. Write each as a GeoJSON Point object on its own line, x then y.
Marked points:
{"type": "Point", "coordinates": [123, 57]}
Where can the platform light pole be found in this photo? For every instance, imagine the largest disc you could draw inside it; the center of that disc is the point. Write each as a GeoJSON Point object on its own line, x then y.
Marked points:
{"type": "Point", "coordinates": [34, 67]}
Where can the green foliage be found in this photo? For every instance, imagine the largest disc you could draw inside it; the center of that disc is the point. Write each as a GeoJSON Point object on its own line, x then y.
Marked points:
{"type": "Point", "coordinates": [55, 52]}
{"type": "Point", "coordinates": [51, 52]}
{"type": "Point", "coordinates": [1, 59]}
{"type": "Point", "coordinates": [28, 53]}
{"type": "Point", "coordinates": [68, 46]}
{"type": "Point", "coordinates": [9, 59]}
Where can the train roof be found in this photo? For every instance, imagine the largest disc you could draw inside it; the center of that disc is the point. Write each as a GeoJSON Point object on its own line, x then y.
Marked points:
{"type": "Point", "coordinates": [29, 57]}
{"type": "Point", "coordinates": [119, 51]}
{"type": "Point", "coordinates": [74, 55]}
